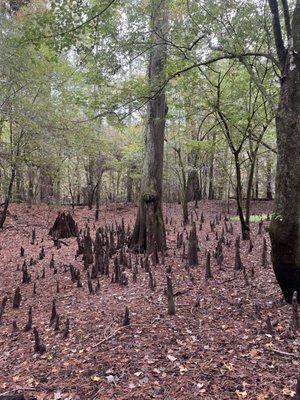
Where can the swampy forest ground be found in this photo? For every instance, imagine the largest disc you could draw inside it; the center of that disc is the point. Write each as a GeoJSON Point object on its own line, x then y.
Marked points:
{"type": "Point", "coordinates": [231, 337]}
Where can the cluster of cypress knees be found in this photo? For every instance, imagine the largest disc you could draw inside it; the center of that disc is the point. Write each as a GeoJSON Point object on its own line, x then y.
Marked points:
{"type": "Point", "coordinates": [110, 243]}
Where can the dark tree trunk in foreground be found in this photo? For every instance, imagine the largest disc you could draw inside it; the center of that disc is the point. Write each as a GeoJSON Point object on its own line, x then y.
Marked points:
{"type": "Point", "coordinates": [149, 230]}
{"type": "Point", "coordinates": [285, 225]}
{"type": "Point", "coordinates": [3, 213]}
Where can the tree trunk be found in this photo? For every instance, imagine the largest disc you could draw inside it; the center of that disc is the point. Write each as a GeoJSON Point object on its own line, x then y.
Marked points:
{"type": "Point", "coordinates": [3, 214]}
{"type": "Point", "coordinates": [211, 191]}
{"type": "Point", "coordinates": [129, 193]}
{"type": "Point", "coordinates": [253, 157]}
{"type": "Point", "coordinates": [285, 226]}
{"type": "Point", "coordinates": [149, 230]}
{"type": "Point", "coordinates": [239, 199]}
{"type": "Point", "coordinates": [97, 195]}
{"type": "Point", "coordinates": [204, 182]}
{"type": "Point", "coordinates": [257, 180]}
{"type": "Point", "coordinates": [269, 194]}
{"type": "Point", "coordinates": [249, 191]}
{"type": "Point", "coordinates": [30, 187]}
{"type": "Point", "coordinates": [119, 174]}
{"type": "Point", "coordinates": [90, 182]}
{"type": "Point", "coordinates": [57, 192]}
{"type": "Point", "coordinates": [98, 187]}
{"type": "Point", "coordinates": [184, 199]}
{"type": "Point", "coordinates": [78, 182]}
{"type": "Point", "coordinates": [193, 192]}
{"type": "Point", "coordinates": [46, 185]}
{"type": "Point", "coordinates": [19, 186]}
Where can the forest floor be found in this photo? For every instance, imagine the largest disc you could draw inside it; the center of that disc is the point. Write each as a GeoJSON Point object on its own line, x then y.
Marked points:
{"type": "Point", "coordinates": [217, 346]}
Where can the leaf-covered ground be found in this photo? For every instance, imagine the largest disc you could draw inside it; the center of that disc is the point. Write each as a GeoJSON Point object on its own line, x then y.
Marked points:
{"type": "Point", "coordinates": [217, 346]}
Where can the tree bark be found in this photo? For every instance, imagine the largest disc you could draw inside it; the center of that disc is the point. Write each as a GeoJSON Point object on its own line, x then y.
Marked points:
{"type": "Point", "coordinates": [129, 192]}
{"type": "Point", "coordinates": [211, 191]}
{"type": "Point", "coordinates": [193, 191]}
{"type": "Point", "coordinates": [149, 230]}
{"type": "Point", "coordinates": [30, 187]}
{"type": "Point", "coordinates": [46, 184]}
{"type": "Point", "coordinates": [256, 195]}
{"type": "Point", "coordinates": [285, 226]}
{"type": "Point", "coordinates": [239, 199]}
{"type": "Point", "coordinates": [269, 194]}
{"type": "Point", "coordinates": [19, 186]}
{"type": "Point", "coordinates": [184, 199]}
{"type": "Point", "coordinates": [90, 182]}
{"type": "Point", "coordinates": [78, 182]}
{"type": "Point", "coordinates": [3, 214]}
{"type": "Point", "coordinates": [100, 171]}
{"type": "Point", "coordinates": [97, 196]}
{"type": "Point", "coordinates": [253, 165]}
{"type": "Point", "coordinates": [249, 188]}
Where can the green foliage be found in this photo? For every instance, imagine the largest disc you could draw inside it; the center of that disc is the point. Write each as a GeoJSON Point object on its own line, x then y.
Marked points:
{"type": "Point", "coordinates": [74, 84]}
{"type": "Point", "coordinates": [253, 218]}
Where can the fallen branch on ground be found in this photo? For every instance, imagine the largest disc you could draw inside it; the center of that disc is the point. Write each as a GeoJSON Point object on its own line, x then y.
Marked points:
{"type": "Point", "coordinates": [282, 353]}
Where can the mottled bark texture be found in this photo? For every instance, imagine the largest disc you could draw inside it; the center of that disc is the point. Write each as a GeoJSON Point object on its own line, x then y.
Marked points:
{"type": "Point", "coordinates": [285, 226]}
{"type": "Point", "coordinates": [149, 230]}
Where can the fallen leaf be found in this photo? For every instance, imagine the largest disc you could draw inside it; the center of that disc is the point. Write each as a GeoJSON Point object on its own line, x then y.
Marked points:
{"type": "Point", "coordinates": [261, 396]}
{"type": "Point", "coordinates": [110, 378]}
{"type": "Point", "coordinates": [95, 378]}
{"type": "Point", "coordinates": [57, 395]}
{"type": "Point", "coordinates": [288, 392]}
{"type": "Point", "coordinates": [182, 369]}
{"type": "Point", "coordinates": [241, 394]}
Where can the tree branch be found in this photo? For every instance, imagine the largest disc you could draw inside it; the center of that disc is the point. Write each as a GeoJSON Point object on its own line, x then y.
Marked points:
{"type": "Point", "coordinates": [281, 51]}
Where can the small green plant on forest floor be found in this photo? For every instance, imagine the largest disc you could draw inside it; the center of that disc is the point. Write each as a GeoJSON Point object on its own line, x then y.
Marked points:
{"type": "Point", "coordinates": [253, 218]}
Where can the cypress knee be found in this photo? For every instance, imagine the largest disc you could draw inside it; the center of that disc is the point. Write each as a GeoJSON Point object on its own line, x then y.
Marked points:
{"type": "Point", "coordinates": [193, 247]}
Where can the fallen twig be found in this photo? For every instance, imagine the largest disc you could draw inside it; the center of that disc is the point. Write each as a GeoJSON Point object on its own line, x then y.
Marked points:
{"type": "Point", "coordinates": [282, 353]}
{"type": "Point", "coordinates": [122, 328]}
